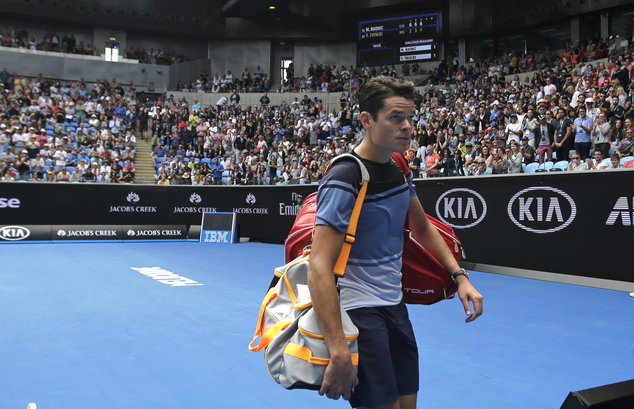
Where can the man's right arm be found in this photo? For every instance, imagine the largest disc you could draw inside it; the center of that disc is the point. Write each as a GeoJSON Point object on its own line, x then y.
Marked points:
{"type": "Point", "coordinates": [340, 377]}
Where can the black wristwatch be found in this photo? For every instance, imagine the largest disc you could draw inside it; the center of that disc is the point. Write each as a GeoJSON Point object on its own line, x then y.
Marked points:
{"type": "Point", "coordinates": [461, 272]}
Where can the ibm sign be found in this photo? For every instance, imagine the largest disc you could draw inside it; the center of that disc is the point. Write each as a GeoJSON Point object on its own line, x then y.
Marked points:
{"type": "Point", "coordinates": [219, 227]}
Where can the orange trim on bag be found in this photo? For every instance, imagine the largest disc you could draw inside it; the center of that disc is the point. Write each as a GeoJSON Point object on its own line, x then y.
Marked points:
{"type": "Point", "coordinates": [303, 306]}
{"type": "Point", "coordinates": [269, 334]}
{"type": "Point", "coordinates": [306, 354]}
{"type": "Point", "coordinates": [271, 294]}
{"type": "Point", "coordinates": [319, 336]}
{"type": "Point", "coordinates": [289, 287]}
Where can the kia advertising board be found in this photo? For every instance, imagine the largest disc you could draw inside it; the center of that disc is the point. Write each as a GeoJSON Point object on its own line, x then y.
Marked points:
{"type": "Point", "coordinates": [569, 223]}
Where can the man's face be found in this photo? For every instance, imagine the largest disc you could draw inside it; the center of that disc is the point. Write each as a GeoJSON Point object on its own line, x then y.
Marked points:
{"type": "Point", "coordinates": [598, 155]}
{"type": "Point", "coordinates": [393, 125]}
{"type": "Point", "coordinates": [560, 114]}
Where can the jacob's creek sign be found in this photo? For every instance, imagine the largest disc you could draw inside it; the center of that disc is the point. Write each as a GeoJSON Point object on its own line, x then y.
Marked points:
{"type": "Point", "coordinates": [82, 233]}
{"type": "Point", "coordinates": [132, 199]}
{"type": "Point", "coordinates": [151, 233]}
{"type": "Point", "coordinates": [251, 209]}
{"type": "Point", "coordinates": [195, 207]}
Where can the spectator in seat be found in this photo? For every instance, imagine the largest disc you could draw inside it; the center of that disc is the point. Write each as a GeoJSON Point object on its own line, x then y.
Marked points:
{"type": "Point", "coordinates": [576, 164]}
{"type": "Point", "coordinates": [625, 146]}
{"type": "Point", "coordinates": [63, 175]}
{"type": "Point", "coordinates": [598, 162]}
{"type": "Point", "coordinates": [128, 172]}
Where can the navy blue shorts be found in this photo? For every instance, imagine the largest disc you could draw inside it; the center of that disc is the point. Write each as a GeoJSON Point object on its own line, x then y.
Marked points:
{"type": "Point", "coordinates": [388, 355]}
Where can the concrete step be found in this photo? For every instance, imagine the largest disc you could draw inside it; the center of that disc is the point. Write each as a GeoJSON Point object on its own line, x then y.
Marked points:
{"type": "Point", "coordinates": [145, 169]}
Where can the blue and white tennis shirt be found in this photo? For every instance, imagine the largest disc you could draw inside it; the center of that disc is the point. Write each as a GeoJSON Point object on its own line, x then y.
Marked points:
{"type": "Point", "coordinates": [373, 273]}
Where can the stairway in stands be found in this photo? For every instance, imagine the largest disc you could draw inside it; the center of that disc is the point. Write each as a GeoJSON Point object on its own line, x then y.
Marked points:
{"type": "Point", "coordinates": [145, 170]}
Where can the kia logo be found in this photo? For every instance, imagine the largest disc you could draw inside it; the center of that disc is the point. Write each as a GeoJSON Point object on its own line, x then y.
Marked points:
{"type": "Point", "coordinates": [14, 233]}
{"type": "Point", "coordinates": [542, 209]}
{"type": "Point", "coordinates": [461, 208]}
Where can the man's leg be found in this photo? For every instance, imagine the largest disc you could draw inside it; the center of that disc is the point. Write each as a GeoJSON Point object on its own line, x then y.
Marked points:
{"type": "Point", "coordinates": [388, 358]}
{"type": "Point", "coordinates": [403, 402]}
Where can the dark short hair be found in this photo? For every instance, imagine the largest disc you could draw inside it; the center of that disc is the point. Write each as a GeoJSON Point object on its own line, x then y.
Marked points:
{"type": "Point", "coordinates": [373, 93]}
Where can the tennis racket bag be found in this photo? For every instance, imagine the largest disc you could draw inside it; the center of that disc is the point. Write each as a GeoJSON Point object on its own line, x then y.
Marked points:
{"type": "Point", "coordinates": [425, 280]}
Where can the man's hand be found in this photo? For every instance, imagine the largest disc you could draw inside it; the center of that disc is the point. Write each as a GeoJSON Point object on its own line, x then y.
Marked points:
{"type": "Point", "coordinates": [340, 379]}
{"type": "Point", "coordinates": [467, 293]}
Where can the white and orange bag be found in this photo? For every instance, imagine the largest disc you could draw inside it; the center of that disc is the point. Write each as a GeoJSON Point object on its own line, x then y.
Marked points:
{"type": "Point", "coordinates": [295, 351]}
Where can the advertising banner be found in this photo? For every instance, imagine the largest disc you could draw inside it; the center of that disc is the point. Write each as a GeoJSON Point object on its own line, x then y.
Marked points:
{"type": "Point", "coordinates": [154, 233]}
{"type": "Point", "coordinates": [569, 223]}
{"type": "Point", "coordinates": [25, 233]}
{"type": "Point", "coordinates": [86, 233]}
{"type": "Point", "coordinates": [574, 223]}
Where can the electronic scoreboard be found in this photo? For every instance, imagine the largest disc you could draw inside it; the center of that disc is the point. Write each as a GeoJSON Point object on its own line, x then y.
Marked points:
{"type": "Point", "coordinates": [399, 39]}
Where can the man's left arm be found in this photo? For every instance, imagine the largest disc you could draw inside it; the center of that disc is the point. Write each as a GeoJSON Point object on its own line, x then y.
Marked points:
{"type": "Point", "coordinates": [427, 235]}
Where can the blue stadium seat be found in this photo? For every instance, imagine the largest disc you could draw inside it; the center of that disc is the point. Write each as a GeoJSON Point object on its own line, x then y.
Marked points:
{"type": "Point", "coordinates": [612, 151]}
{"type": "Point", "coordinates": [625, 159]}
{"type": "Point", "coordinates": [546, 166]}
{"type": "Point", "coordinates": [531, 167]}
{"type": "Point", "coordinates": [205, 160]}
{"type": "Point", "coordinates": [561, 165]}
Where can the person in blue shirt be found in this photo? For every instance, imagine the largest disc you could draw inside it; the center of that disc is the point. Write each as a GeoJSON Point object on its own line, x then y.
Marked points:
{"type": "Point", "coordinates": [217, 170]}
{"type": "Point", "coordinates": [371, 291]}
{"type": "Point", "coordinates": [119, 111]}
{"type": "Point", "coordinates": [583, 130]}
{"type": "Point", "coordinates": [278, 132]}
{"type": "Point", "coordinates": [494, 115]}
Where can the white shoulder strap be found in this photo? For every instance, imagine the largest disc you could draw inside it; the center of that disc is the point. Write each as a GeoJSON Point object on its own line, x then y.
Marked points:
{"type": "Point", "coordinates": [365, 176]}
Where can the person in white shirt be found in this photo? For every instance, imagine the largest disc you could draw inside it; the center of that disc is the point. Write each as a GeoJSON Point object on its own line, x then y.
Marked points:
{"type": "Point", "coordinates": [598, 162]}
{"type": "Point", "coordinates": [576, 164]}
{"type": "Point", "coordinates": [513, 130]}
{"type": "Point", "coordinates": [550, 88]}
{"type": "Point", "coordinates": [529, 126]}
{"type": "Point", "coordinates": [601, 135]}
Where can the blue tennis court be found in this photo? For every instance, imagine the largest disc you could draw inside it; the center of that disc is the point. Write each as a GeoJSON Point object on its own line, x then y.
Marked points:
{"type": "Point", "coordinates": [94, 326]}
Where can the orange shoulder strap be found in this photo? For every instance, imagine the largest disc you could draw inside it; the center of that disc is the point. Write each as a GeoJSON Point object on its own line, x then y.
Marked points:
{"type": "Point", "coordinates": [340, 266]}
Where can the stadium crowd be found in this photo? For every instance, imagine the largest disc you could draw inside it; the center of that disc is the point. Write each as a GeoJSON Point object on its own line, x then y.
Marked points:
{"type": "Point", "coordinates": [18, 37]}
{"type": "Point", "coordinates": [566, 116]}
